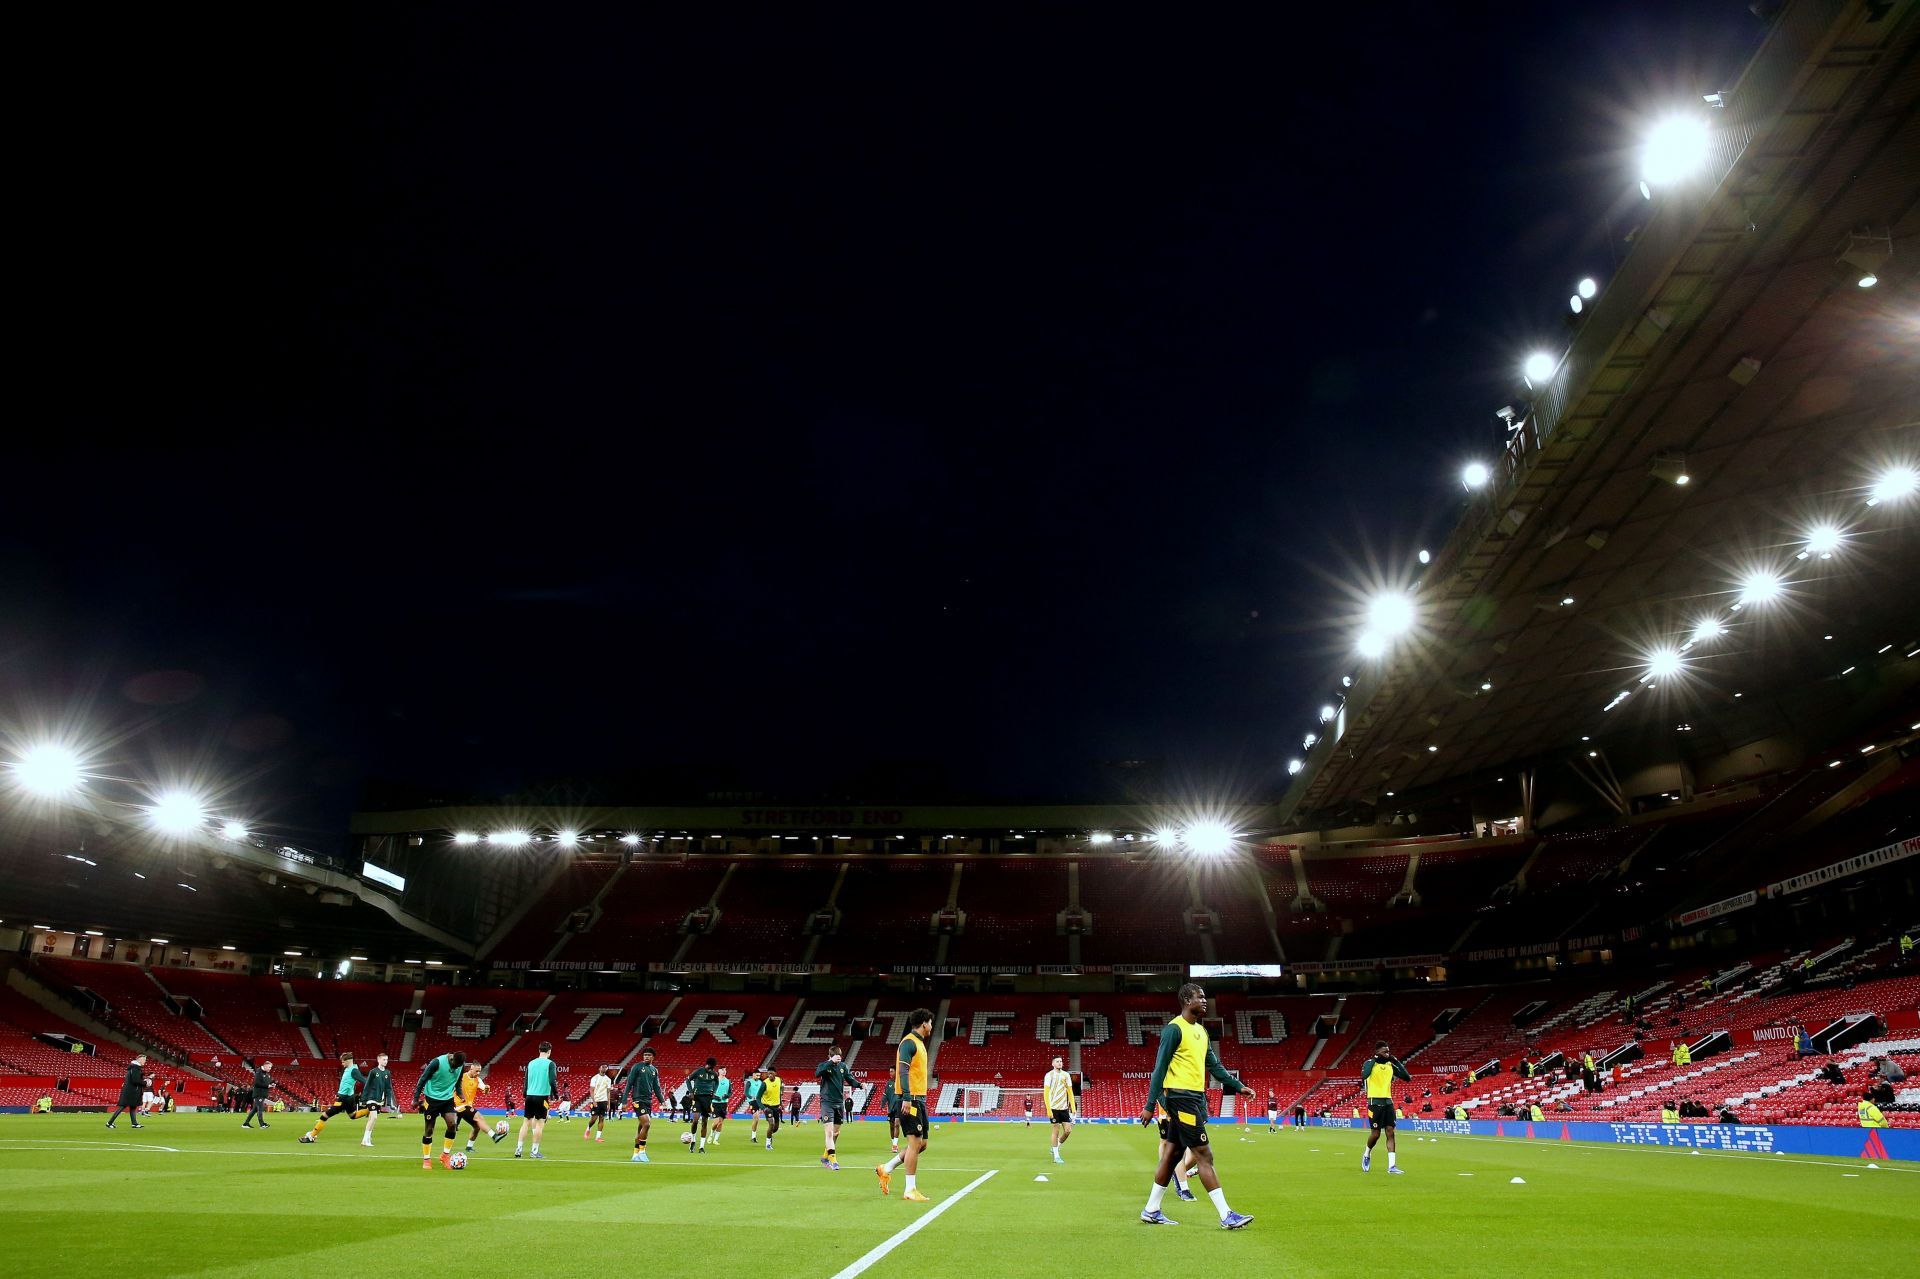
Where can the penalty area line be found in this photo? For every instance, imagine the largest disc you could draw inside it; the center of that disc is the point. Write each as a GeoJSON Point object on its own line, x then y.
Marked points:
{"type": "Point", "coordinates": [879, 1251]}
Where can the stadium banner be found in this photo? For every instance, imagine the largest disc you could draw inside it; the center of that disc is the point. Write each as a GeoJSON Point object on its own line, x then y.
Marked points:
{"type": "Point", "coordinates": [1369, 965]}
{"type": "Point", "coordinates": [1841, 870]}
{"type": "Point", "coordinates": [961, 970]}
{"type": "Point", "coordinates": [1071, 970]}
{"type": "Point", "coordinates": [739, 968]}
{"type": "Point", "coordinates": [1701, 914]}
{"type": "Point", "coordinates": [1784, 1139]}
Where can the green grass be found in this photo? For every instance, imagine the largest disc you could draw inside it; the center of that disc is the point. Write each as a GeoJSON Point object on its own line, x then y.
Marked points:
{"type": "Point", "coordinates": [196, 1195]}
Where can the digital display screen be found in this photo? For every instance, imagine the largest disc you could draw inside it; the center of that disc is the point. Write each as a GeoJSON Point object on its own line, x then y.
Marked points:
{"type": "Point", "coordinates": [381, 875]}
{"type": "Point", "coordinates": [1234, 970]}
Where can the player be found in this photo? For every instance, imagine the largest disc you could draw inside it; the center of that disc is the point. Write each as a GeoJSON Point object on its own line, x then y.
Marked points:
{"type": "Point", "coordinates": [131, 1089]}
{"type": "Point", "coordinates": [466, 1109]}
{"type": "Point", "coordinates": [770, 1103]}
{"type": "Point", "coordinates": [891, 1100]}
{"type": "Point", "coordinates": [346, 1100]}
{"type": "Point", "coordinates": [541, 1081]}
{"type": "Point", "coordinates": [1381, 1112]}
{"type": "Point", "coordinates": [1185, 1161]}
{"type": "Point", "coordinates": [699, 1088]}
{"type": "Point", "coordinates": [1028, 1104]}
{"type": "Point", "coordinates": [642, 1086]}
{"type": "Point", "coordinates": [433, 1096]}
{"type": "Point", "coordinates": [756, 1090]}
{"type": "Point", "coordinates": [834, 1079]}
{"type": "Point", "coordinates": [910, 1083]}
{"type": "Point", "coordinates": [1179, 1083]}
{"type": "Point", "coordinates": [260, 1088]}
{"type": "Point", "coordinates": [722, 1102]}
{"type": "Point", "coordinates": [1273, 1111]}
{"type": "Point", "coordinates": [600, 1099]}
{"type": "Point", "coordinates": [1062, 1105]}
{"type": "Point", "coordinates": [376, 1094]}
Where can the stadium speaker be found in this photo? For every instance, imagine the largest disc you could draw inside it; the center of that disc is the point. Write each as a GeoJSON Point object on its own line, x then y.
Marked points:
{"type": "Point", "coordinates": [1074, 1030]}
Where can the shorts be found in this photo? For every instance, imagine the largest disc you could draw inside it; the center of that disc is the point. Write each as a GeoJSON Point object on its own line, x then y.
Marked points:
{"type": "Point", "coordinates": [705, 1106]}
{"type": "Point", "coordinates": [1186, 1122]}
{"type": "Point", "coordinates": [1060, 1116]}
{"type": "Point", "coordinates": [536, 1108]}
{"type": "Point", "coordinates": [433, 1108]}
{"type": "Point", "coordinates": [893, 1110]}
{"type": "Point", "coordinates": [1380, 1115]}
{"type": "Point", "coordinates": [599, 1110]}
{"type": "Point", "coordinates": [833, 1114]}
{"type": "Point", "coordinates": [771, 1109]}
{"type": "Point", "coordinates": [913, 1117]}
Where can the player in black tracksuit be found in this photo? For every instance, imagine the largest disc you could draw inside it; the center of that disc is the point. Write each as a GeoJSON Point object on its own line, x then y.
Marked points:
{"type": "Point", "coordinates": [262, 1086]}
{"type": "Point", "coordinates": [132, 1091]}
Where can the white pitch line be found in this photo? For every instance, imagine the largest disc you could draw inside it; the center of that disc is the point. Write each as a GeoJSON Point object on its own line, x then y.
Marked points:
{"type": "Point", "coordinates": [881, 1250]}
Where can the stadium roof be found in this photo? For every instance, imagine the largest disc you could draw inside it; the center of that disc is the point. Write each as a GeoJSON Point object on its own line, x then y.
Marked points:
{"type": "Point", "coordinates": [1734, 347]}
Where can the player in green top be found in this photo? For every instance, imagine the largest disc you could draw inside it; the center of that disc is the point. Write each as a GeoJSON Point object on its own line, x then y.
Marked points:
{"type": "Point", "coordinates": [433, 1094]}
{"type": "Point", "coordinates": [1382, 1069]}
{"type": "Point", "coordinates": [756, 1089]}
{"type": "Point", "coordinates": [347, 1101]}
{"type": "Point", "coordinates": [722, 1102]}
{"type": "Point", "coordinates": [700, 1086]}
{"type": "Point", "coordinates": [541, 1087]}
{"type": "Point", "coordinates": [890, 1100]}
{"type": "Point", "coordinates": [376, 1094]}
{"type": "Point", "coordinates": [1178, 1085]}
{"type": "Point", "coordinates": [834, 1079]}
{"type": "Point", "coordinates": [642, 1087]}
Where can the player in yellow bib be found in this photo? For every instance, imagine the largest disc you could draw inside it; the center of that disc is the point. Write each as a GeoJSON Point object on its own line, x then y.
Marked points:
{"type": "Point", "coordinates": [1382, 1069]}
{"type": "Point", "coordinates": [1062, 1105]}
{"type": "Point", "coordinates": [1179, 1084]}
{"type": "Point", "coordinates": [910, 1085]}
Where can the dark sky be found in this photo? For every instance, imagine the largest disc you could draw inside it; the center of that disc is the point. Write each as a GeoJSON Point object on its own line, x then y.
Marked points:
{"type": "Point", "coordinates": [883, 399]}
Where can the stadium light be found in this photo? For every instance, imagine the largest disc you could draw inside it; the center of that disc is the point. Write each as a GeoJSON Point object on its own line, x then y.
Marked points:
{"type": "Point", "coordinates": [1575, 305]}
{"type": "Point", "coordinates": [1293, 767]}
{"type": "Point", "coordinates": [1760, 587]}
{"type": "Point", "coordinates": [1306, 743]}
{"type": "Point", "coordinates": [465, 837]}
{"type": "Point", "coordinates": [1707, 628]}
{"type": "Point", "coordinates": [1166, 838]}
{"type": "Point", "coordinates": [568, 837]}
{"type": "Point", "coordinates": [1390, 614]}
{"type": "Point", "coordinates": [1587, 288]}
{"type": "Point", "coordinates": [1098, 837]}
{"type": "Point", "coordinates": [233, 830]}
{"type": "Point", "coordinates": [1895, 482]}
{"type": "Point", "coordinates": [176, 812]}
{"type": "Point", "coordinates": [1539, 367]}
{"type": "Point", "coordinates": [1676, 149]}
{"type": "Point", "coordinates": [1664, 663]}
{"type": "Point", "coordinates": [1425, 556]}
{"type": "Point", "coordinates": [629, 839]}
{"type": "Point", "coordinates": [1209, 839]}
{"type": "Point", "coordinates": [1822, 540]}
{"type": "Point", "coordinates": [1370, 644]}
{"type": "Point", "coordinates": [509, 839]}
{"type": "Point", "coordinates": [49, 770]}
{"type": "Point", "coordinates": [1475, 475]}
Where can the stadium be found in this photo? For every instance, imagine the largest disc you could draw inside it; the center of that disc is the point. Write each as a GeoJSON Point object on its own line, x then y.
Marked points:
{"type": "Point", "coordinates": [1604, 830]}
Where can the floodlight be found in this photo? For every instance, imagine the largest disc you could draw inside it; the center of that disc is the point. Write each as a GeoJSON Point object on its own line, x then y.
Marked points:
{"type": "Point", "coordinates": [1098, 837]}
{"type": "Point", "coordinates": [1390, 614]}
{"type": "Point", "coordinates": [1588, 288]}
{"type": "Point", "coordinates": [1371, 645]}
{"type": "Point", "coordinates": [177, 812]}
{"type": "Point", "coordinates": [233, 830]}
{"type": "Point", "coordinates": [1167, 838]}
{"type": "Point", "coordinates": [1671, 467]}
{"type": "Point", "coordinates": [509, 839]}
{"type": "Point", "coordinates": [1823, 540]}
{"type": "Point", "coordinates": [1293, 767]}
{"type": "Point", "coordinates": [1327, 713]}
{"type": "Point", "coordinates": [1708, 628]}
{"type": "Point", "coordinates": [1893, 484]}
{"type": "Point", "coordinates": [465, 837]}
{"type": "Point", "coordinates": [629, 839]}
{"type": "Point", "coordinates": [1664, 663]}
{"type": "Point", "coordinates": [1539, 366]}
{"type": "Point", "coordinates": [1306, 743]}
{"type": "Point", "coordinates": [568, 837]}
{"type": "Point", "coordinates": [1759, 587]}
{"type": "Point", "coordinates": [48, 770]}
{"type": "Point", "coordinates": [1426, 557]}
{"type": "Point", "coordinates": [1676, 149]}
{"type": "Point", "coordinates": [1475, 474]}
{"type": "Point", "coordinates": [1209, 839]}
{"type": "Point", "coordinates": [1575, 305]}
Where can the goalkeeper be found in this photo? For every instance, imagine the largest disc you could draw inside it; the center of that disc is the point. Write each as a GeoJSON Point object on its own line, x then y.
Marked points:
{"type": "Point", "coordinates": [1179, 1085]}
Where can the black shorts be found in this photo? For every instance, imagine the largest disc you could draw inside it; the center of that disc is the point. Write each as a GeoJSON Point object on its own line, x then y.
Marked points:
{"type": "Point", "coordinates": [599, 1110]}
{"type": "Point", "coordinates": [913, 1117]}
{"type": "Point", "coordinates": [771, 1109]}
{"type": "Point", "coordinates": [536, 1108]}
{"type": "Point", "coordinates": [705, 1106]}
{"type": "Point", "coordinates": [433, 1109]}
{"type": "Point", "coordinates": [833, 1114]}
{"type": "Point", "coordinates": [893, 1110]}
{"type": "Point", "coordinates": [1186, 1122]}
{"type": "Point", "coordinates": [1060, 1116]}
{"type": "Point", "coordinates": [1380, 1114]}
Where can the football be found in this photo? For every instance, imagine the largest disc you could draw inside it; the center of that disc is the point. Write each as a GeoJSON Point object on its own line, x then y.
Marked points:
{"type": "Point", "coordinates": [456, 1160]}
{"type": "Point", "coordinates": [686, 1139]}
{"type": "Point", "coordinates": [501, 1128]}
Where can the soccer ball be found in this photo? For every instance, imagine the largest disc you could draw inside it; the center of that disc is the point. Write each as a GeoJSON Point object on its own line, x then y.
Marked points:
{"type": "Point", "coordinates": [501, 1128]}
{"type": "Point", "coordinates": [686, 1139]}
{"type": "Point", "coordinates": [456, 1160]}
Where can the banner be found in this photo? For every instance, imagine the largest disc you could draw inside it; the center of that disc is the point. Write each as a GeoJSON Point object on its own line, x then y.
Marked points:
{"type": "Point", "coordinates": [1841, 870]}
{"type": "Point", "coordinates": [1369, 965]}
{"type": "Point", "coordinates": [1787, 1139]}
{"type": "Point", "coordinates": [1701, 914]}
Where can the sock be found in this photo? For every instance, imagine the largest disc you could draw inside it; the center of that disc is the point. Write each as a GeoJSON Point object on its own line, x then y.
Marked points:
{"type": "Point", "coordinates": [446, 1146]}
{"type": "Point", "coordinates": [891, 1164]}
{"type": "Point", "coordinates": [1392, 1159]}
{"type": "Point", "coordinates": [1219, 1198]}
{"type": "Point", "coordinates": [426, 1150]}
{"type": "Point", "coordinates": [319, 1125]}
{"type": "Point", "coordinates": [910, 1181]}
{"type": "Point", "coordinates": [1154, 1196]}
{"type": "Point", "coordinates": [1180, 1177]}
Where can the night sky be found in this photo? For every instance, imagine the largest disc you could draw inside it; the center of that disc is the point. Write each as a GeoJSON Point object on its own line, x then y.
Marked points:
{"type": "Point", "coordinates": [907, 402]}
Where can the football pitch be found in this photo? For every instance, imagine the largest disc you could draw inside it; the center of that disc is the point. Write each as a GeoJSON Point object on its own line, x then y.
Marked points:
{"type": "Point", "coordinates": [197, 1195]}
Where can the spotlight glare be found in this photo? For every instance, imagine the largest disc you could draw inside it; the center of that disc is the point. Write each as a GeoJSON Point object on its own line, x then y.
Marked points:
{"type": "Point", "coordinates": [233, 830]}
{"type": "Point", "coordinates": [465, 837]}
{"type": "Point", "coordinates": [629, 839]}
{"type": "Point", "coordinates": [1823, 540]}
{"type": "Point", "coordinates": [1166, 838]}
{"type": "Point", "coordinates": [1676, 148]}
{"type": "Point", "coordinates": [1587, 288]}
{"type": "Point", "coordinates": [177, 812]}
{"type": "Point", "coordinates": [1664, 663]}
{"type": "Point", "coordinates": [1293, 767]}
{"type": "Point", "coordinates": [509, 839]}
{"type": "Point", "coordinates": [1390, 614]}
{"type": "Point", "coordinates": [568, 837]}
{"type": "Point", "coordinates": [1209, 839]}
{"type": "Point", "coordinates": [1306, 743]}
{"type": "Point", "coordinates": [1708, 628]}
{"type": "Point", "coordinates": [1759, 587]}
{"type": "Point", "coordinates": [1575, 305]}
{"type": "Point", "coordinates": [1475, 474]}
{"type": "Point", "coordinates": [1371, 645]}
{"type": "Point", "coordinates": [1894, 483]}
{"type": "Point", "coordinates": [1539, 367]}
{"type": "Point", "coordinates": [1098, 837]}
{"type": "Point", "coordinates": [48, 770]}
{"type": "Point", "coordinates": [1327, 714]}
{"type": "Point", "coordinates": [1868, 280]}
